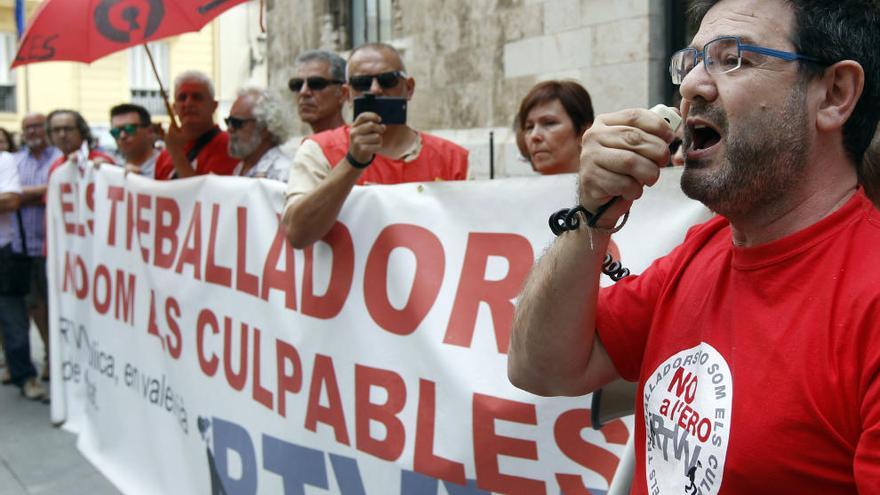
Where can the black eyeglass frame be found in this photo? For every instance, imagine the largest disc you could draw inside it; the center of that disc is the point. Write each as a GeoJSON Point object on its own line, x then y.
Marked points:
{"type": "Point", "coordinates": [236, 123]}
{"type": "Point", "coordinates": [315, 83]}
{"type": "Point", "coordinates": [386, 80]}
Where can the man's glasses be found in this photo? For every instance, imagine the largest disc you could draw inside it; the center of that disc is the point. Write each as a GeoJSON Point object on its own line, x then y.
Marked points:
{"type": "Point", "coordinates": [723, 55]}
{"type": "Point", "coordinates": [314, 83]}
{"type": "Point", "coordinates": [236, 123]}
{"type": "Point", "coordinates": [387, 80]}
{"type": "Point", "coordinates": [129, 129]}
{"type": "Point", "coordinates": [66, 129]}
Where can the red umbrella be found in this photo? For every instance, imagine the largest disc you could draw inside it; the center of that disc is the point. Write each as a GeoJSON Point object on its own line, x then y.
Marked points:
{"type": "Point", "coordinates": [86, 30]}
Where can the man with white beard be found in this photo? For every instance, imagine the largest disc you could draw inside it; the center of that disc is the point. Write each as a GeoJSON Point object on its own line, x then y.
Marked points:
{"type": "Point", "coordinates": [257, 124]}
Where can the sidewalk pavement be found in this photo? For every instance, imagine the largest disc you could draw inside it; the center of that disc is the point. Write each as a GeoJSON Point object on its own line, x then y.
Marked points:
{"type": "Point", "coordinates": [37, 458]}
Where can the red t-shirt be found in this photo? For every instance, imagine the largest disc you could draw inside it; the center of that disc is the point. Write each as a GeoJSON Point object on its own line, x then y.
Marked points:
{"type": "Point", "coordinates": [212, 159]}
{"type": "Point", "coordinates": [758, 368]}
{"type": "Point", "coordinates": [438, 159]}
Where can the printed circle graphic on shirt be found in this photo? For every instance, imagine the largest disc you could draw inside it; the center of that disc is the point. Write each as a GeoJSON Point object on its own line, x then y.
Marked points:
{"type": "Point", "coordinates": [687, 404]}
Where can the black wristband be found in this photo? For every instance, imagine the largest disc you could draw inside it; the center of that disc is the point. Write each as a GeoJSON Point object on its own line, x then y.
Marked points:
{"type": "Point", "coordinates": [356, 164]}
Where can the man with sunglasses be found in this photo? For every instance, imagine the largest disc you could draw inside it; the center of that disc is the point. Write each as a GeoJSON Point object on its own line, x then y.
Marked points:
{"type": "Point", "coordinates": [131, 127]}
{"type": "Point", "coordinates": [756, 342]}
{"type": "Point", "coordinates": [257, 124]}
{"type": "Point", "coordinates": [329, 164]}
{"type": "Point", "coordinates": [319, 88]}
{"type": "Point", "coordinates": [198, 146]}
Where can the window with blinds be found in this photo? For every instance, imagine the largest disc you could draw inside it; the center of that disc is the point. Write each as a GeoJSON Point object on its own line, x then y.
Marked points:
{"type": "Point", "coordinates": [144, 87]}
{"type": "Point", "coordinates": [7, 76]}
{"type": "Point", "coordinates": [370, 21]}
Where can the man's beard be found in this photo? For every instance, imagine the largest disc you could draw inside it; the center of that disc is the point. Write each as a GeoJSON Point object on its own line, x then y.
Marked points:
{"type": "Point", "coordinates": [764, 156]}
{"type": "Point", "coordinates": [241, 148]}
{"type": "Point", "coordinates": [35, 144]}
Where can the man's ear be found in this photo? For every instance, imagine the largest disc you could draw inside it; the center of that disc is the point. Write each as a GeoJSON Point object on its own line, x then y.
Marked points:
{"type": "Point", "coordinates": [840, 89]}
{"type": "Point", "coordinates": [214, 106]}
{"type": "Point", "coordinates": [410, 87]}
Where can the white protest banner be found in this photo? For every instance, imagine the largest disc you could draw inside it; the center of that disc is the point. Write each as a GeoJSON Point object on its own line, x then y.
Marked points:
{"type": "Point", "coordinates": [196, 352]}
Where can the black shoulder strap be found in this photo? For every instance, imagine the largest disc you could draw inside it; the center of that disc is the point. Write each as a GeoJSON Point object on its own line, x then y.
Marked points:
{"type": "Point", "coordinates": [201, 142]}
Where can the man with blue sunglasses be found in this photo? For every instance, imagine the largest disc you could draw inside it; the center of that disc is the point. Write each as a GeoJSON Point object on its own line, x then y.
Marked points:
{"type": "Point", "coordinates": [755, 344]}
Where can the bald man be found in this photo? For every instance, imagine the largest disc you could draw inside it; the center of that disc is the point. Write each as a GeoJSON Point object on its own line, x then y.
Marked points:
{"type": "Point", "coordinates": [329, 164]}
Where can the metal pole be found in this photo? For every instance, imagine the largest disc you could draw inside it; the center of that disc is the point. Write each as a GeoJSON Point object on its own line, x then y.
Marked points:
{"type": "Point", "coordinates": [27, 91]}
{"type": "Point", "coordinates": [491, 155]}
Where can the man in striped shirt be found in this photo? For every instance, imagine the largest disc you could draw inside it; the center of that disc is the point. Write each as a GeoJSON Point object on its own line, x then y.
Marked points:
{"type": "Point", "coordinates": [33, 162]}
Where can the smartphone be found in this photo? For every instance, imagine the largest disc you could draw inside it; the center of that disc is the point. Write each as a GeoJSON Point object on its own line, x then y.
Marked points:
{"type": "Point", "coordinates": [391, 109]}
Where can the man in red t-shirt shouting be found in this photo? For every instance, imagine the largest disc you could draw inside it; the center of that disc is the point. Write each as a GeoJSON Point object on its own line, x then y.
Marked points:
{"type": "Point", "coordinates": [198, 146]}
{"type": "Point", "coordinates": [755, 344]}
{"type": "Point", "coordinates": [329, 164]}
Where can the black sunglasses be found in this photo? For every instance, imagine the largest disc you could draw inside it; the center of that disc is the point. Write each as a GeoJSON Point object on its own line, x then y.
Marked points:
{"type": "Point", "coordinates": [315, 83]}
{"type": "Point", "coordinates": [387, 80]}
{"type": "Point", "coordinates": [129, 129]}
{"type": "Point", "coordinates": [236, 123]}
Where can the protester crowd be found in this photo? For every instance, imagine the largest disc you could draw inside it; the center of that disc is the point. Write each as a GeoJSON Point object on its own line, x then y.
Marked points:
{"type": "Point", "coordinates": [321, 170]}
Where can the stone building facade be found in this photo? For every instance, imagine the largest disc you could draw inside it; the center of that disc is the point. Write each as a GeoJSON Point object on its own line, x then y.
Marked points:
{"type": "Point", "coordinates": [474, 60]}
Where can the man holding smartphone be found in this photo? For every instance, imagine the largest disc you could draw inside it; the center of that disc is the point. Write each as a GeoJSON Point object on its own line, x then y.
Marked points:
{"type": "Point", "coordinates": [329, 164]}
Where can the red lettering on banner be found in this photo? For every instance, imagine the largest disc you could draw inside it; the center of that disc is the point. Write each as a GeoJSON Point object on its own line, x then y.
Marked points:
{"type": "Point", "coordinates": [191, 249]}
{"type": "Point", "coordinates": [69, 207]}
{"type": "Point", "coordinates": [425, 461]}
{"type": "Point", "coordinates": [474, 288]}
{"type": "Point", "coordinates": [571, 484]}
{"type": "Point", "coordinates": [174, 341]}
{"type": "Point", "coordinates": [567, 432]}
{"type": "Point", "coordinates": [79, 285]}
{"type": "Point", "coordinates": [206, 319]}
{"type": "Point", "coordinates": [152, 327]}
{"type": "Point", "coordinates": [244, 281]}
{"type": "Point", "coordinates": [216, 274]}
{"type": "Point", "coordinates": [116, 195]}
{"type": "Point", "coordinates": [167, 222]}
{"type": "Point", "coordinates": [259, 393]}
{"type": "Point", "coordinates": [235, 380]}
{"type": "Point", "coordinates": [287, 382]}
{"type": "Point", "coordinates": [100, 301]}
{"type": "Point", "coordinates": [323, 376]}
{"type": "Point", "coordinates": [488, 445]}
{"type": "Point", "coordinates": [124, 307]}
{"type": "Point", "coordinates": [142, 224]}
{"type": "Point", "coordinates": [366, 411]}
{"type": "Point", "coordinates": [129, 221]}
{"type": "Point", "coordinates": [430, 266]}
{"type": "Point", "coordinates": [90, 205]}
{"type": "Point", "coordinates": [329, 305]}
{"type": "Point", "coordinates": [284, 279]}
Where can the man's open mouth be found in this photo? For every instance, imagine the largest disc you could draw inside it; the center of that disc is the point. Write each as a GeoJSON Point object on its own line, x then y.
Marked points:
{"type": "Point", "coordinates": [704, 137]}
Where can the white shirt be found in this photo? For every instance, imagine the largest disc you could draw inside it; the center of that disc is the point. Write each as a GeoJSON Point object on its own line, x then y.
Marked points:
{"type": "Point", "coordinates": [8, 183]}
{"type": "Point", "coordinates": [148, 168]}
{"type": "Point", "coordinates": [274, 164]}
